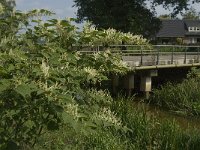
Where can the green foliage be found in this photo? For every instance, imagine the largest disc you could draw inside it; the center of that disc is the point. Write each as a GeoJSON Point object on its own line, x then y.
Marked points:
{"type": "Point", "coordinates": [179, 41]}
{"type": "Point", "coordinates": [164, 16]}
{"type": "Point", "coordinates": [140, 131]}
{"type": "Point", "coordinates": [120, 15]}
{"type": "Point", "coordinates": [178, 5]}
{"type": "Point", "coordinates": [194, 73]}
{"type": "Point", "coordinates": [46, 100]}
{"type": "Point", "coordinates": [44, 84]}
{"type": "Point", "coordinates": [8, 6]}
{"type": "Point", "coordinates": [191, 14]}
{"type": "Point", "coordinates": [92, 36]}
{"type": "Point", "coordinates": [147, 132]}
{"type": "Point", "coordinates": [183, 98]}
{"type": "Point", "coordinates": [126, 16]}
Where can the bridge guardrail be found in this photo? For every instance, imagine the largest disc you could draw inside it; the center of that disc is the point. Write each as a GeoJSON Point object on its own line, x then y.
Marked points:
{"type": "Point", "coordinates": [155, 54]}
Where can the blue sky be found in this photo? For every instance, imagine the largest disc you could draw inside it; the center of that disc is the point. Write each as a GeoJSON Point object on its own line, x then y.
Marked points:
{"type": "Point", "coordinates": [63, 8]}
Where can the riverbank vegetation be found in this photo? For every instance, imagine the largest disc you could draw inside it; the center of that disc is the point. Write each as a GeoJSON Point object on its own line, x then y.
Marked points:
{"type": "Point", "coordinates": [46, 99]}
{"type": "Point", "coordinates": [182, 98]}
{"type": "Point", "coordinates": [131, 128]}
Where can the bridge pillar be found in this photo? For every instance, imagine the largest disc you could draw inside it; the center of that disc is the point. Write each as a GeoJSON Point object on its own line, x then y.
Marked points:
{"type": "Point", "coordinates": [129, 83]}
{"type": "Point", "coordinates": [146, 82]}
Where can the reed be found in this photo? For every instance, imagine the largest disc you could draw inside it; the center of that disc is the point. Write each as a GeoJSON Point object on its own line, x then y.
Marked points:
{"type": "Point", "coordinates": [142, 132]}
{"type": "Point", "coordinates": [183, 97]}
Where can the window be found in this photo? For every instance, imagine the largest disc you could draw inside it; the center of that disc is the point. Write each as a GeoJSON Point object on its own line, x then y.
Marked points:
{"type": "Point", "coordinates": [194, 29]}
{"type": "Point", "coordinates": [191, 28]}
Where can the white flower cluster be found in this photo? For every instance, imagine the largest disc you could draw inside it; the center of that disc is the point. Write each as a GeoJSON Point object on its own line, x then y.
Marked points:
{"type": "Point", "coordinates": [72, 109]}
{"type": "Point", "coordinates": [45, 68]}
{"type": "Point", "coordinates": [109, 37]}
{"type": "Point", "coordinates": [89, 28]}
{"type": "Point", "coordinates": [120, 64]}
{"type": "Point", "coordinates": [46, 87]}
{"type": "Point", "coordinates": [129, 38]}
{"type": "Point", "coordinates": [107, 115]}
{"type": "Point", "coordinates": [100, 96]}
{"type": "Point", "coordinates": [92, 73]}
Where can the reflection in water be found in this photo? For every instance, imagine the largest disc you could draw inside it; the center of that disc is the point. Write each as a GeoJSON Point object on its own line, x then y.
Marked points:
{"type": "Point", "coordinates": [183, 121]}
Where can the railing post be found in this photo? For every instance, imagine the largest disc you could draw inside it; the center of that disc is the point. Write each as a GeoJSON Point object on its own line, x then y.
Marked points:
{"type": "Point", "coordinates": [141, 59]}
{"type": "Point", "coordinates": [185, 55]}
{"type": "Point", "coordinates": [198, 55]}
{"type": "Point", "coordinates": [172, 58]}
{"type": "Point", "coordinates": [157, 62]}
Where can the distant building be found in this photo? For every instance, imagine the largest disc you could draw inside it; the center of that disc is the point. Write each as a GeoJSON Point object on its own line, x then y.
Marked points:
{"type": "Point", "coordinates": [179, 32]}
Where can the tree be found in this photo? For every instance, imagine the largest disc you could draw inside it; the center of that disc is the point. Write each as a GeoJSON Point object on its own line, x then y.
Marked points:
{"type": "Point", "coordinates": [178, 5]}
{"type": "Point", "coordinates": [7, 15]}
{"type": "Point", "coordinates": [165, 16]}
{"type": "Point", "coordinates": [127, 16]}
{"type": "Point", "coordinates": [168, 17]}
{"type": "Point", "coordinates": [122, 15]}
{"type": "Point", "coordinates": [191, 14]}
{"type": "Point", "coordinates": [7, 5]}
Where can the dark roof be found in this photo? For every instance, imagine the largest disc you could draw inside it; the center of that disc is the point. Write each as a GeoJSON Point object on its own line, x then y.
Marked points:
{"type": "Point", "coordinates": [192, 23]}
{"type": "Point", "coordinates": [172, 28]}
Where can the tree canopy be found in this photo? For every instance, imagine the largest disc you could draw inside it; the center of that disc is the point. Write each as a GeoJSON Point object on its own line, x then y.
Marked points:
{"type": "Point", "coordinates": [165, 16]}
{"type": "Point", "coordinates": [191, 14]}
{"type": "Point", "coordinates": [8, 5]}
{"type": "Point", "coordinates": [127, 16]}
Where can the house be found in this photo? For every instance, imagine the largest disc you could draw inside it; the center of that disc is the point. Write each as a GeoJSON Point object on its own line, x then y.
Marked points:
{"type": "Point", "coordinates": [179, 32]}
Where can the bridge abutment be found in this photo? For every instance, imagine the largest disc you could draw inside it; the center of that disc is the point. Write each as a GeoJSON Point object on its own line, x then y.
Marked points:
{"type": "Point", "coordinates": [128, 82]}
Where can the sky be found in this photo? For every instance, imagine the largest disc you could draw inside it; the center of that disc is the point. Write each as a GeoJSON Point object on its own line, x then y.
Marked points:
{"type": "Point", "coordinates": [63, 8]}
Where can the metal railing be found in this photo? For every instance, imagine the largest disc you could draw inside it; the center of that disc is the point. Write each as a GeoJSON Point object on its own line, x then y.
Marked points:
{"type": "Point", "coordinates": [145, 55]}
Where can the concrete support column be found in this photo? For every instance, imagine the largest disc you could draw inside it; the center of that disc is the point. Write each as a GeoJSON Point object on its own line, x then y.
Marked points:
{"type": "Point", "coordinates": [146, 82]}
{"type": "Point", "coordinates": [145, 85]}
{"type": "Point", "coordinates": [129, 83]}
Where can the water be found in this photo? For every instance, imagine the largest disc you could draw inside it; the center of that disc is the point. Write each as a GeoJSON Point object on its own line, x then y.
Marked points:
{"type": "Point", "coordinates": [183, 121]}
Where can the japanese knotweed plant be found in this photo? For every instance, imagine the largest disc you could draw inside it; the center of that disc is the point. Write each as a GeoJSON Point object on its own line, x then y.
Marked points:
{"type": "Point", "coordinates": [42, 79]}
{"type": "Point", "coordinates": [93, 37]}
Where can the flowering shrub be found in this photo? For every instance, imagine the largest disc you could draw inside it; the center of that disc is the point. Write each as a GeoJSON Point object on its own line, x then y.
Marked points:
{"type": "Point", "coordinates": [44, 79]}
{"type": "Point", "coordinates": [91, 36]}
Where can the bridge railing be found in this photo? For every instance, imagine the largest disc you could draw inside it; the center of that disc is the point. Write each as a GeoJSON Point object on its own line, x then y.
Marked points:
{"type": "Point", "coordinates": [145, 55]}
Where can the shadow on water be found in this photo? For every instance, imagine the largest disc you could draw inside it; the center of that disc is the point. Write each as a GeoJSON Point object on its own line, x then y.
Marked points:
{"type": "Point", "coordinates": [183, 121]}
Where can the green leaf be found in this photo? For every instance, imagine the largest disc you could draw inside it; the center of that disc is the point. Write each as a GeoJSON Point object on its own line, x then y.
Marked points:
{"type": "Point", "coordinates": [26, 89]}
{"type": "Point", "coordinates": [4, 84]}
{"type": "Point", "coordinates": [29, 123]}
{"type": "Point", "coordinates": [67, 118]}
{"type": "Point", "coordinates": [58, 108]}
{"type": "Point", "coordinates": [52, 125]}
{"type": "Point", "coordinates": [12, 146]}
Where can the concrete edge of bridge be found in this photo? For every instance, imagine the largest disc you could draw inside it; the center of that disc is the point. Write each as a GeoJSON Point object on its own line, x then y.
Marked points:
{"type": "Point", "coordinates": [165, 66]}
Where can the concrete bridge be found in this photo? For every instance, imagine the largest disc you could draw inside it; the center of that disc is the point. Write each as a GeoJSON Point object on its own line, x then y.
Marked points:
{"type": "Point", "coordinates": [147, 60]}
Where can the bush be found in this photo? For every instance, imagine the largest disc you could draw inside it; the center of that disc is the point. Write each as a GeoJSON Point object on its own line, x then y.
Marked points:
{"type": "Point", "coordinates": [183, 97]}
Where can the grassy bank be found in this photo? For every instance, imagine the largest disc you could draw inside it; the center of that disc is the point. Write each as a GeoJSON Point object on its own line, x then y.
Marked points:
{"type": "Point", "coordinates": [183, 97]}
{"type": "Point", "coordinates": [137, 130]}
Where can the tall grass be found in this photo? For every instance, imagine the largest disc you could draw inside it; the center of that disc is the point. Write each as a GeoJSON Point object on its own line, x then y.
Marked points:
{"type": "Point", "coordinates": [147, 132]}
{"type": "Point", "coordinates": [183, 97]}
{"type": "Point", "coordinates": [141, 132]}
